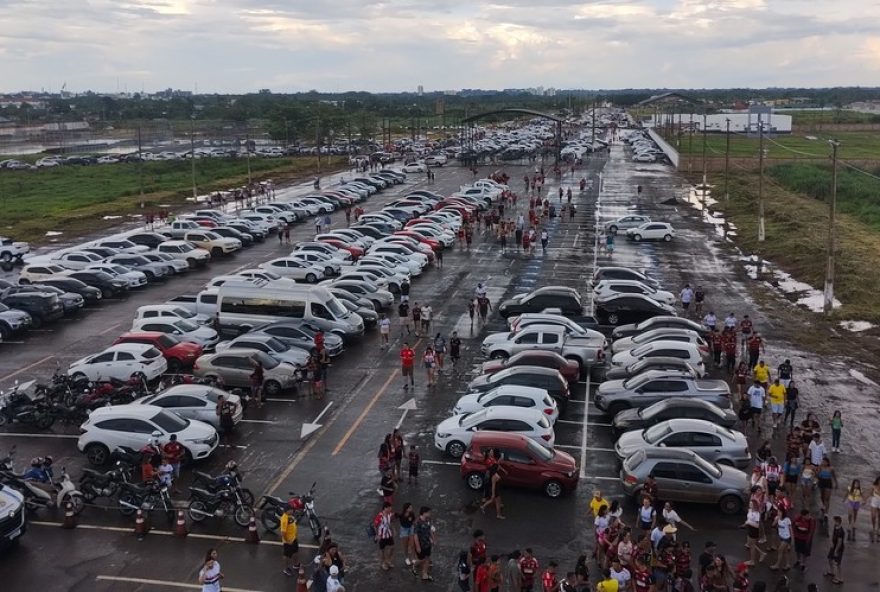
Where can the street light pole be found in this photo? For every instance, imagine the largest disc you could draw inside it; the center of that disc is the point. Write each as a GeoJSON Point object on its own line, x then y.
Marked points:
{"type": "Point", "coordinates": [691, 144]}
{"type": "Point", "coordinates": [761, 233]}
{"type": "Point", "coordinates": [247, 148]}
{"type": "Point", "coordinates": [829, 270]}
{"type": "Point", "coordinates": [727, 164]}
{"type": "Point", "coordinates": [140, 166]}
{"type": "Point", "coordinates": [192, 153]}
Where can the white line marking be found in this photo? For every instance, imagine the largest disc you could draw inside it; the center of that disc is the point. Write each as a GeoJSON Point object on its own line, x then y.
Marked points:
{"type": "Point", "coordinates": [282, 400]}
{"type": "Point", "coordinates": [26, 368]}
{"type": "Point", "coordinates": [266, 421]}
{"type": "Point", "coordinates": [14, 342]}
{"type": "Point", "coordinates": [576, 237]}
{"type": "Point", "coordinates": [164, 583]}
{"type": "Point", "coordinates": [568, 421]}
{"type": "Point", "coordinates": [110, 328]}
{"type": "Point", "coordinates": [598, 478]}
{"type": "Point", "coordinates": [598, 449]}
{"type": "Point", "coordinates": [238, 446]}
{"type": "Point", "coordinates": [14, 435]}
{"type": "Point", "coordinates": [567, 446]}
{"type": "Point", "coordinates": [578, 401]}
{"type": "Point", "coordinates": [441, 462]}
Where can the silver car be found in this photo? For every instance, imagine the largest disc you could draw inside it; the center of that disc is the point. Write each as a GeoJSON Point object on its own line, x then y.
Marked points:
{"type": "Point", "coordinates": [713, 442]}
{"type": "Point", "coordinates": [194, 401]}
{"type": "Point", "coordinates": [235, 366]}
{"type": "Point", "coordinates": [683, 476]}
{"type": "Point", "coordinates": [269, 345]}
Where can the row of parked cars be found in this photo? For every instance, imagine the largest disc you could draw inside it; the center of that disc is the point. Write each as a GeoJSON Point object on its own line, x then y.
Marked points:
{"type": "Point", "coordinates": [644, 149]}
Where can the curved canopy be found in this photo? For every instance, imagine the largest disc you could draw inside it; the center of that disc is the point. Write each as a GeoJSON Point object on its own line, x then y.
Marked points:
{"type": "Point", "coordinates": [512, 110]}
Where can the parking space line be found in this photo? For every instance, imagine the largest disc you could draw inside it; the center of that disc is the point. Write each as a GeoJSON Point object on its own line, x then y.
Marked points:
{"type": "Point", "coordinates": [600, 424]}
{"type": "Point", "coordinates": [14, 342]}
{"type": "Point", "coordinates": [108, 329]}
{"type": "Point", "coordinates": [366, 410]}
{"type": "Point", "coordinates": [568, 421]}
{"type": "Point", "coordinates": [26, 368]}
{"type": "Point", "coordinates": [163, 583]}
{"type": "Point", "coordinates": [578, 401]}
{"type": "Point", "coordinates": [282, 401]}
{"type": "Point", "coordinates": [441, 462]}
{"type": "Point", "coordinates": [266, 421]}
{"type": "Point", "coordinates": [568, 446]}
{"type": "Point", "coordinates": [238, 446]}
{"type": "Point", "coordinates": [599, 478]}
{"type": "Point", "coordinates": [18, 435]}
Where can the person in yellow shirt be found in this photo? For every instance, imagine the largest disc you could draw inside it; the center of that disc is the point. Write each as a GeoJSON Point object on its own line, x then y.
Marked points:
{"type": "Point", "coordinates": [597, 502]}
{"type": "Point", "coordinates": [776, 394]}
{"type": "Point", "coordinates": [762, 373]}
{"type": "Point", "coordinates": [607, 584]}
{"type": "Point", "coordinates": [289, 529]}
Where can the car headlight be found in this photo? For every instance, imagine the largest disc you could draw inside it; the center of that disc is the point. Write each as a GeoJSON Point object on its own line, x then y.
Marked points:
{"type": "Point", "coordinates": [570, 474]}
{"type": "Point", "coordinates": [203, 442]}
{"type": "Point", "coordinates": [443, 436]}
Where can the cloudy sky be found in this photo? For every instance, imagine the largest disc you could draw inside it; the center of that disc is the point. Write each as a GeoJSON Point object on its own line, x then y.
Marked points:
{"type": "Point", "coordinates": [392, 45]}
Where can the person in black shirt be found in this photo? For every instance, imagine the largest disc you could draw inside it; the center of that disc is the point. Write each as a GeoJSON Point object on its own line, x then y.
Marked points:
{"type": "Point", "coordinates": [706, 557]}
{"type": "Point", "coordinates": [835, 553]}
{"type": "Point", "coordinates": [454, 348]}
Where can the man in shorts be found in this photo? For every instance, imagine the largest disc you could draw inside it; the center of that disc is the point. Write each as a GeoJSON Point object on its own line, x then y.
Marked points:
{"type": "Point", "coordinates": [384, 330]}
{"type": "Point", "coordinates": [757, 399]}
{"type": "Point", "coordinates": [424, 543]}
{"type": "Point", "coordinates": [290, 544]}
{"type": "Point", "coordinates": [407, 362]}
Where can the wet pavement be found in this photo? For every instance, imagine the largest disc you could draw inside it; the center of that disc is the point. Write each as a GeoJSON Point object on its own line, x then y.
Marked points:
{"type": "Point", "coordinates": [366, 389]}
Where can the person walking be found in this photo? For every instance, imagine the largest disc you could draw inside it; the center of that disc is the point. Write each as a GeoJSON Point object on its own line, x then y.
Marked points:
{"type": "Point", "coordinates": [492, 489]}
{"type": "Point", "coordinates": [256, 378]}
{"type": "Point", "coordinates": [512, 576]}
{"type": "Point", "coordinates": [853, 499]}
{"type": "Point", "coordinates": [784, 372]}
{"type": "Point", "coordinates": [407, 520]}
{"type": "Point", "coordinates": [875, 511]}
{"type": "Point", "coordinates": [173, 452]}
{"type": "Point", "coordinates": [210, 575]}
{"type": "Point", "coordinates": [384, 331]}
{"type": "Point", "coordinates": [827, 480]}
{"type": "Point", "coordinates": [417, 318]}
{"type": "Point", "coordinates": [699, 298]}
{"type": "Point", "coordinates": [385, 537]}
{"type": "Point", "coordinates": [429, 360]}
{"type": "Point", "coordinates": [686, 296]}
{"type": "Point", "coordinates": [472, 309]}
{"type": "Point", "coordinates": [414, 460]}
{"type": "Point", "coordinates": [280, 232]}
{"type": "Point", "coordinates": [836, 423]}
{"type": "Point", "coordinates": [545, 238]}
{"type": "Point", "coordinates": [803, 529]}
{"type": "Point", "coordinates": [791, 404]}
{"type": "Point", "coordinates": [484, 307]}
{"type": "Point", "coordinates": [404, 290]}
{"type": "Point", "coordinates": [439, 351]}
{"type": "Point", "coordinates": [745, 330]}
{"type": "Point", "coordinates": [753, 533]}
{"type": "Point", "coordinates": [755, 347]}
{"type": "Point", "coordinates": [288, 529]}
{"type": "Point", "coordinates": [783, 526]}
{"type": "Point", "coordinates": [225, 412]}
{"type": "Point", "coordinates": [757, 400]}
{"type": "Point", "coordinates": [776, 395]}
{"type": "Point", "coordinates": [424, 544]}
{"type": "Point", "coordinates": [403, 314]}
{"type": "Point", "coordinates": [835, 553]}
{"type": "Point", "coordinates": [427, 313]}
{"type": "Point", "coordinates": [528, 567]}
{"type": "Point", "coordinates": [407, 362]}
{"type": "Point", "coordinates": [287, 234]}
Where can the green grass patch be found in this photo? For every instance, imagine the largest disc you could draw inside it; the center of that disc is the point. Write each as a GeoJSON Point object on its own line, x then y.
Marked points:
{"type": "Point", "coordinates": [74, 199]}
{"type": "Point", "coordinates": [811, 117]}
{"type": "Point", "coordinates": [853, 145]}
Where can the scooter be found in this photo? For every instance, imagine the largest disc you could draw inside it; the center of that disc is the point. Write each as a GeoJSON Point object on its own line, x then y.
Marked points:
{"type": "Point", "coordinates": [38, 495]}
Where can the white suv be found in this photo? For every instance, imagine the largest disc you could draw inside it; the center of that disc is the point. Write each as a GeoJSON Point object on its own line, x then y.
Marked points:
{"type": "Point", "coordinates": [38, 271]}
{"type": "Point", "coordinates": [181, 249]}
{"type": "Point", "coordinates": [78, 259]}
{"type": "Point", "coordinates": [121, 361]}
{"type": "Point", "coordinates": [170, 311]}
{"type": "Point", "coordinates": [133, 426]}
{"type": "Point", "coordinates": [212, 242]}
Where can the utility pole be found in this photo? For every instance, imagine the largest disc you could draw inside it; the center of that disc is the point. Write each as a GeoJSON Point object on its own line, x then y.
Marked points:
{"type": "Point", "coordinates": [192, 152]}
{"type": "Point", "coordinates": [829, 271]}
{"type": "Point", "coordinates": [140, 166]}
{"type": "Point", "coordinates": [593, 126]}
{"type": "Point", "coordinates": [247, 148]}
{"type": "Point", "coordinates": [727, 163]}
{"type": "Point", "coordinates": [704, 156]}
{"type": "Point", "coordinates": [318, 141]}
{"type": "Point", "coordinates": [761, 181]}
{"type": "Point", "coordinates": [691, 144]}
{"type": "Point", "coordinates": [286, 133]}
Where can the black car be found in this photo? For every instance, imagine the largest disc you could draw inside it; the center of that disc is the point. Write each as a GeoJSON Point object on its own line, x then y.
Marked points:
{"type": "Point", "coordinates": [149, 239]}
{"type": "Point", "coordinates": [71, 302]}
{"type": "Point", "coordinates": [42, 306]}
{"type": "Point", "coordinates": [370, 231]}
{"type": "Point", "coordinates": [245, 229]}
{"type": "Point", "coordinates": [629, 308]}
{"type": "Point", "coordinates": [548, 379]}
{"type": "Point", "coordinates": [109, 285]}
{"type": "Point", "coordinates": [566, 300]}
{"type": "Point", "coordinates": [229, 232]}
{"type": "Point", "coordinates": [660, 322]}
{"type": "Point", "coordinates": [671, 408]}
{"type": "Point", "coordinates": [69, 284]}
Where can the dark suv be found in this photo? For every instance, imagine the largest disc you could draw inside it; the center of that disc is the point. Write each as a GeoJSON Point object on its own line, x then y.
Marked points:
{"type": "Point", "coordinates": [567, 300]}
{"type": "Point", "coordinates": [42, 306]}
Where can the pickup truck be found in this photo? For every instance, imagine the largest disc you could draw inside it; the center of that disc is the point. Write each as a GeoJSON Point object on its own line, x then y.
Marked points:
{"type": "Point", "coordinates": [586, 351]}
{"type": "Point", "coordinates": [652, 386]}
{"type": "Point", "coordinates": [203, 303]}
{"type": "Point", "coordinates": [11, 250]}
{"type": "Point", "coordinates": [179, 228]}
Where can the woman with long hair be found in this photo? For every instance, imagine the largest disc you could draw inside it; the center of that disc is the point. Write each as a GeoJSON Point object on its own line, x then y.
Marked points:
{"type": "Point", "coordinates": [854, 500]}
{"type": "Point", "coordinates": [875, 511]}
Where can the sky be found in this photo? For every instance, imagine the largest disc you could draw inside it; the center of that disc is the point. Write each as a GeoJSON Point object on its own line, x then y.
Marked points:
{"type": "Point", "coordinates": [240, 46]}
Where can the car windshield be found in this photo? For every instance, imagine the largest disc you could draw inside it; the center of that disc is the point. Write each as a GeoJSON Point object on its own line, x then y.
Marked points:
{"type": "Point", "coordinates": [186, 248]}
{"type": "Point", "coordinates": [642, 350]}
{"type": "Point", "coordinates": [275, 345]}
{"type": "Point", "coordinates": [654, 434]}
{"type": "Point", "coordinates": [170, 422]}
{"type": "Point", "coordinates": [185, 326]}
{"type": "Point", "coordinates": [119, 269]}
{"type": "Point", "coordinates": [270, 275]}
{"type": "Point", "coordinates": [183, 313]}
{"type": "Point", "coordinates": [654, 410]}
{"type": "Point", "coordinates": [470, 419]}
{"type": "Point", "coordinates": [151, 353]}
{"type": "Point", "coordinates": [635, 381]}
{"type": "Point", "coordinates": [265, 359]}
{"type": "Point", "coordinates": [165, 340]}
{"type": "Point", "coordinates": [336, 308]}
{"type": "Point", "coordinates": [711, 468]}
{"type": "Point", "coordinates": [538, 451]}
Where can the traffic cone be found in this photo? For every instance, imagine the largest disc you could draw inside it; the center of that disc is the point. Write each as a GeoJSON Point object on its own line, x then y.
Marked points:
{"type": "Point", "coordinates": [69, 516]}
{"type": "Point", "coordinates": [180, 529]}
{"type": "Point", "coordinates": [252, 536]}
{"type": "Point", "coordinates": [141, 528]}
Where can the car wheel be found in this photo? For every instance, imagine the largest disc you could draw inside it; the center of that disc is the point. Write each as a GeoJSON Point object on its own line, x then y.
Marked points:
{"type": "Point", "coordinates": [6, 257]}
{"type": "Point", "coordinates": [612, 229]}
{"type": "Point", "coordinates": [24, 281]}
{"type": "Point", "coordinates": [191, 261]}
{"type": "Point", "coordinates": [78, 377]}
{"type": "Point", "coordinates": [667, 237]}
{"type": "Point", "coordinates": [97, 454]}
{"type": "Point", "coordinates": [394, 288]}
{"type": "Point", "coordinates": [637, 237]}
{"type": "Point", "coordinates": [272, 387]}
{"type": "Point", "coordinates": [616, 408]}
{"type": "Point", "coordinates": [582, 370]}
{"type": "Point", "coordinates": [730, 504]}
{"type": "Point", "coordinates": [377, 304]}
{"type": "Point", "coordinates": [499, 355]}
{"type": "Point", "coordinates": [725, 462]}
{"type": "Point", "coordinates": [613, 318]}
{"type": "Point", "coordinates": [311, 278]}
{"type": "Point", "coordinates": [174, 366]}
{"type": "Point", "coordinates": [151, 277]}
{"type": "Point", "coordinates": [4, 332]}
{"type": "Point", "coordinates": [329, 271]}
{"type": "Point", "coordinates": [197, 511]}
{"type": "Point", "coordinates": [475, 481]}
{"type": "Point", "coordinates": [455, 449]}
{"type": "Point", "coordinates": [140, 377]}
{"type": "Point", "coordinates": [553, 489]}
{"type": "Point", "coordinates": [216, 252]}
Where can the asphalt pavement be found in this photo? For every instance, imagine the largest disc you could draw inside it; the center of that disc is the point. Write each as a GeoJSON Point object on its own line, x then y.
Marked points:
{"type": "Point", "coordinates": [366, 392]}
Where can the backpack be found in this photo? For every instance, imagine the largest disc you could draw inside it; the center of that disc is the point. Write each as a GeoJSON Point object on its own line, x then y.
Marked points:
{"type": "Point", "coordinates": [372, 528]}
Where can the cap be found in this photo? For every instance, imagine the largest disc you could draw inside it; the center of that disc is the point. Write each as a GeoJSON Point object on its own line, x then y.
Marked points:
{"type": "Point", "coordinates": [334, 571]}
{"type": "Point", "coordinates": [669, 529]}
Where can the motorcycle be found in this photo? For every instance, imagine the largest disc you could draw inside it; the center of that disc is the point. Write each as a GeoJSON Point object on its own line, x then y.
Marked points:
{"type": "Point", "coordinates": [272, 507]}
{"type": "Point", "coordinates": [94, 484]}
{"type": "Point", "coordinates": [54, 494]}
{"type": "Point", "coordinates": [146, 497]}
{"type": "Point", "coordinates": [229, 479]}
{"type": "Point", "coordinates": [17, 406]}
{"type": "Point", "coordinates": [226, 502]}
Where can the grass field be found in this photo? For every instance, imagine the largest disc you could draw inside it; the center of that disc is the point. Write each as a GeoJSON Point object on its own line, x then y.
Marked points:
{"type": "Point", "coordinates": [853, 145]}
{"type": "Point", "coordinates": [74, 200]}
{"type": "Point", "coordinates": [812, 117]}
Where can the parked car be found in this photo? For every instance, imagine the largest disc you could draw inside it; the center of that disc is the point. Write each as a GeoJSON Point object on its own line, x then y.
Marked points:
{"type": "Point", "coordinates": [608, 288]}
{"type": "Point", "coordinates": [625, 223]}
{"type": "Point", "coordinates": [623, 273]}
{"type": "Point", "coordinates": [11, 250]}
{"type": "Point", "coordinates": [710, 441]}
{"type": "Point", "coordinates": [629, 308]}
{"type": "Point", "coordinates": [566, 299]}
{"type": "Point", "coordinates": [235, 366]}
{"type": "Point", "coordinates": [78, 259]}
{"type": "Point", "coordinates": [301, 334]}
{"type": "Point", "coordinates": [652, 386]}
{"type": "Point", "coordinates": [269, 345]}
{"type": "Point", "coordinates": [660, 349]}
{"type": "Point", "coordinates": [72, 286]}
{"type": "Point", "coordinates": [195, 401]}
{"type": "Point", "coordinates": [570, 369]}
{"type": "Point", "coordinates": [151, 240]}
{"type": "Point", "coordinates": [213, 243]}
{"type": "Point", "coordinates": [122, 245]}
{"type": "Point", "coordinates": [153, 271]}
{"type": "Point", "coordinates": [662, 334]}
{"type": "Point", "coordinates": [684, 476]}
{"type": "Point", "coordinates": [41, 306]}
{"type": "Point", "coordinates": [545, 378]}
{"type": "Point", "coordinates": [181, 249]}
{"type": "Point", "coordinates": [134, 279]}
{"type": "Point", "coordinates": [586, 351]}
{"type": "Point", "coordinates": [659, 363]}
{"type": "Point", "coordinates": [453, 435]}
{"type": "Point", "coordinates": [179, 355]}
{"type": "Point", "coordinates": [659, 322]}
{"type": "Point", "coordinates": [526, 463]}
{"type": "Point", "coordinates": [108, 428]}
{"type": "Point", "coordinates": [110, 286]}
{"type": "Point", "coordinates": [13, 321]}
{"type": "Point", "coordinates": [509, 396]}
{"type": "Point", "coordinates": [652, 231]}
{"type": "Point", "coordinates": [184, 329]}
{"type": "Point", "coordinates": [38, 271]}
{"type": "Point", "coordinates": [154, 311]}
{"type": "Point", "coordinates": [295, 269]}
{"type": "Point", "coordinates": [672, 408]}
{"type": "Point", "coordinates": [122, 362]}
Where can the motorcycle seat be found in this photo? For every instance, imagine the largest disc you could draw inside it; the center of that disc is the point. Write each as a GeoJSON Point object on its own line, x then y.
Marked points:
{"type": "Point", "coordinates": [94, 473]}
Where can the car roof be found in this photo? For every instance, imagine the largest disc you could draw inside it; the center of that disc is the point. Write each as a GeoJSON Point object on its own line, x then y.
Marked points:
{"type": "Point", "coordinates": [128, 410]}
{"type": "Point", "coordinates": [490, 438]}
{"type": "Point", "coordinates": [188, 389]}
{"type": "Point", "coordinates": [543, 327]}
{"type": "Point", "coordinates": [142, 334]}
{"type": "Point", "coordinates": [512, 389]}
{"type": "Point", "coordinates": [128, 347]}
{"type": "Point", "coordinates": [671, 331]}
{"type": "Point", "coordinates": [232, 351]}
{"type": "Point", "coordinates": [694, 425]}
{"type": "Point", "coordinates": [254, 336]}
{"type": "Point", "coordinates": [159, 307]}
{"type": "Point", "coordinates": [669, 344]}
{"type": "Point", "coordinates": [512, 412]}
{"type": "Point", "coordinates": [687, 402]}
{"type": "Point", "coordinates": [537, 353]}
{"type": "Point", "coordinates": [530, 370]}
{"type": "Point", "coordinates": [660, 453]}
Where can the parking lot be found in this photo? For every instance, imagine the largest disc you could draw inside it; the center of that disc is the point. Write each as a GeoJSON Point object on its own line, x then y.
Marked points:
{"type": "Point", "coordinates": [365, 394]}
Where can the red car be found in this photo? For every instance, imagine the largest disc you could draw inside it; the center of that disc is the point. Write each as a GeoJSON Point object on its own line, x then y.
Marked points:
{"type": "Point", "coordinates": [356, 252]}
{"type": "Point", "coordinates": [413, 243]}
{"type": "Point", "coordinates": [465, 212]}
{"type": "Point", "coordinates": [179, 354]}
{"type": "Point", "coordinates": [433, 243]}
{"type": "Point", "coordinates": [527, 464]}
{"type": "Point", "coordinates": [570, 369]}
{"type": "Point", "coordinates": [346, 199]}
{"type": "Point", "coordinates": [205, 222]}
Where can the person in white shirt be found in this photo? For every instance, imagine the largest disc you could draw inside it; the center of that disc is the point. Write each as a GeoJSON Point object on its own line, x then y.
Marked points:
{"type": "Point", "coordinates": [672, 517]}
{"type": "Point", "coordinates": [757, 399]}
{"type": "Point", "coordinates": [427, 311]}
{"type": "Point", "coordinates": [333, 583]}
{"type": "Point", "coordinates": [710, 320]}
{"type": "Point", "coordinates": [210, 574]}
{"type": "Point", "coordinates": [620, 573]}
{"type": "Point", "coordinates": [783, 529]}
{"type": "Point", "coordinates": [730, 321]}
{"type": "Point", "coordinates": [817, 450]}
{"type": "Point", "coordinates": [686, 296]}
{"type": "Point", "coordinates": [384, 330]}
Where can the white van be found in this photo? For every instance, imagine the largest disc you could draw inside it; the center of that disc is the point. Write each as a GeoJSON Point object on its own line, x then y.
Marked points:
{"type": "Point", "coordinates": [241, 306]}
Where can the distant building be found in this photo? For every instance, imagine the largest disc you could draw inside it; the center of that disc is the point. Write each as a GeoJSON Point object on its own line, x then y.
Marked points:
{"type": "Point", "coordinates": [264, 91]}
{"type": "Point", "coordinates": [550, 92]}
{"type": "Point", "coordinates": [740, 122]}
{"type": "Point", "coordinates": [420, 90]}
{"type": "Point", "coordinates": [864, 106]}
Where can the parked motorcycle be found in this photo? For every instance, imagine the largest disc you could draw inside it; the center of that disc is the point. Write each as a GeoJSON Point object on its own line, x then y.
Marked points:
{"type": "Point", "coordinates": [226, 502]}
{"type": "Point", "coordinates": [53, 494]}
{"type": "Point", "coordinates": [95, 484]}
{"type": "Point", "coordinates": [147, 497]}
{"type": "Point", "coordinates": [231, 479]}
{"type": "Point", "coordinates": [272, 507]}
{"type": "Point", "coordinates": [16, 406]}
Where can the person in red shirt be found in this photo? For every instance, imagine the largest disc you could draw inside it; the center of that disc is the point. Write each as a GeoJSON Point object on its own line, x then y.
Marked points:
{"type": "Point", "coordinates": [173, 452]}
{"type": "Point", "coordinates": [755, 347]}
{"type": "Point", "coordinates": [319, 340]}
{"type": "Point", "coordinates": [717, 347]}
{"type": "Point", "coordinates": [528, 567]}
{"type": "Point", "coordinates": [642, 580]}
{"type": "Point", "coordinates": [478, 547]}
{"type": "Point", "coordinates": [803, 529]}
{"type": "Point", "coordinates": [745, 329]}
{"type": "Point", "coordinates": [481, 577]}
{"type": "Point", "coordinates": [549, 581]}
{"type": "Point", "coordinates": [407, 361]}
{"type": "Point", "coordinates": [728, 338]}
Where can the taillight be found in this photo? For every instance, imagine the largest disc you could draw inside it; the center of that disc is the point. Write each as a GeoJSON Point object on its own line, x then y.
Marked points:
{"type": "Point", "coordinates": [548, 411]}
{"type": "Point", "coordinates": [630, 479]}
{"type": "Point", "coordinates": [546, 437]}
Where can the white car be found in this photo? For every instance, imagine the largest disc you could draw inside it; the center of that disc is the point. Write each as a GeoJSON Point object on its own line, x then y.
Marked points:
{"type": "Point", "coordinates": [212, 242]}
{"type": "Point", "coordinates": [78, 259]}
{"type": "Point", "coordinates": [133, 426]}
{"type": "Point", "coordinates": [382, 218]}
{"type": "Point", "coordinates": [446, 237]}
{"type": "Point", "coordinates": [644, 157]}
{"type": "Point", "coordinates": [661, 334]}
{"type": "Point", "coordinates": [39, 271]}
{"type": "Point", "coordinates": [265, 275]}
{"type": "Point", "coordinates": [687, 352]}
{"type": "Point", "coordinates": [509, 396]}
{"type": "Point", "coordinates": [295, 269]}
{"type": "Point", "coordinates": [453, 435]}
{"type": "Point", "coordinates": [135, 279]}
{"type": "Point", "coordinates": [404, 265]}
{"type": "Point", "coordinates": [381, 247]}
{"type": "Point", "coordinates": [194, 401]}
{"type": "Point", "coordinates": [415, 167]}
{"type": "Point", "coordinates": [396, 268]}
{"type": "Point", "coordinates": [122, 245]}
{"type": "Point", "coordinates": [319, 247]}
{"type": "Point", "coordinates": [332, 266]}
{"type": "Point", "coordinates": [625, 223]}
{"type": "Point", "coordinates": [176, 265]}
{"type": "Point", "coordinates": [181, 328]}
{"type": "Point", "coordinates": [652, 231]}
{"type": "Point", "coordinates": [121, 361]}
{"type": "Point", "coordinates": [607, 288]}
{"type": "Point", "coordinates": [154, 311]}
{"type": "Point", "coordinates": [352, 235]}
{"type": "Point", "coordinates": [185, 251]}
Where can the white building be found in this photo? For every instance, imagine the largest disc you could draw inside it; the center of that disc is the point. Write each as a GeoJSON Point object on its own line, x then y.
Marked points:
{"type": "Point", "coordinates": [740, 121]}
